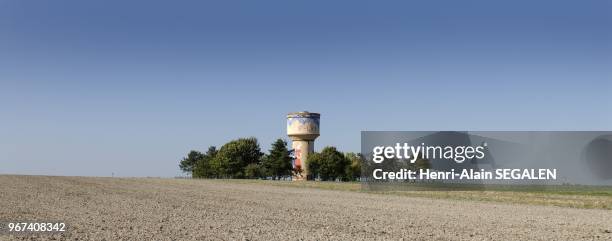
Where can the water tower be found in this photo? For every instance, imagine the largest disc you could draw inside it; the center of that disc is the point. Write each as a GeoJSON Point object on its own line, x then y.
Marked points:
{"type": "Point", "coordinates": [303, 129]}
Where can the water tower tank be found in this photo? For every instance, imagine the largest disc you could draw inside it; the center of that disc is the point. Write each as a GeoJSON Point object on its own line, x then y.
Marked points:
{"type": "Point", "coordinates": [303, 129]}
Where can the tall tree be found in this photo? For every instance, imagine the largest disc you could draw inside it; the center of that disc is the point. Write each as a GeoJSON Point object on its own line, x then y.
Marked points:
{"type": "Point", "coordinates": [330, 164]}
{"type": "Point", "coordinates": [234, 156]}
{"type": "Point", "coordinates": [278, 163]}
{"type": "Point", "coordinates": [252, 171]}
{"type": "Point", "coordinates": [314, 165]}
{"type": "Point", "coordinates": [188, 163]}
{"type": "Point", "coordinates": [353, 169]}
{"type": "Point", "coordinates": [203, 167]}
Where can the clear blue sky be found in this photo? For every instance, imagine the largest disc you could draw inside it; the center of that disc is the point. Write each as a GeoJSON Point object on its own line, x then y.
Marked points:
{"type": "Point", "coordinates": [96, 87]}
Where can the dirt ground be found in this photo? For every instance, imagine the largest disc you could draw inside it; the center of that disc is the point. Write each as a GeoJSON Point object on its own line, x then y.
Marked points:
{"type": "Point", "coordinates": [175, 209]}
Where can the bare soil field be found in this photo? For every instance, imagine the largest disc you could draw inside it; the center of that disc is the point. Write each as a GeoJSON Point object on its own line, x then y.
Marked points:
{"type": "Point", "coordinates": [175, 209]}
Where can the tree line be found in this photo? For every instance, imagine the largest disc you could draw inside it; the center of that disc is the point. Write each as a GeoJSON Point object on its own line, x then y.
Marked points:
{"type": "Point", "coordinates": [243, 158]}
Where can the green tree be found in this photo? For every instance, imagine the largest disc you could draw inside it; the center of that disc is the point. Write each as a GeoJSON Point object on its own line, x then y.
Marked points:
{"type": "Point", "coordinates": [314, 165]}
{"type": "Point", "coordinates": [278, 163]}
{"type": "Point", "coordinates": [188, 163]}
{"type": "Point", "coordinates": [330, 164]}
{"type": "Point", "coordinates": [252, 171]}
{"type": "Point", "coordinates": [234, 156]}
{"type": "Point", "coordinates": [204, 168]}
{"type": "Point", "coordinates": [353, 169]}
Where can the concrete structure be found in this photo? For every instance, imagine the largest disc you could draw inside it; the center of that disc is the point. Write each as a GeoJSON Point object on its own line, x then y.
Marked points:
{"type": "Point", "coordinates": [303, 129]}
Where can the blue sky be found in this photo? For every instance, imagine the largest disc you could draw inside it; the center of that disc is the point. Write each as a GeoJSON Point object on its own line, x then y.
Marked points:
{"type": "Point", "coordinates": [98, 87]}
